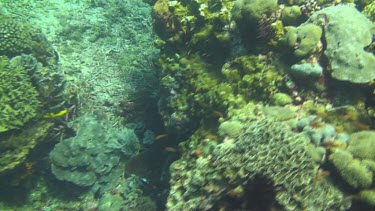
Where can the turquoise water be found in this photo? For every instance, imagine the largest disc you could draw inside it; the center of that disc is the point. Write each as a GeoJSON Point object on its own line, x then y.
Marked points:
{"type": "Point", "coordinates": [187, 105]}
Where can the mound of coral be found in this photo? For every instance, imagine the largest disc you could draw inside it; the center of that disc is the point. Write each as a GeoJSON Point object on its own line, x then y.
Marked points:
{"type": "Point", "coordinates": [31, 85]}
{"type": "Point", "coordinates": [267, 150]}
{"type": "Point", "coordinates": [94, 154]}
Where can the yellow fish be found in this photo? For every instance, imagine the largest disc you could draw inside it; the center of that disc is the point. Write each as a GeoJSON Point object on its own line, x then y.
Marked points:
{"type": "Point", "coordinates": [55, 115]}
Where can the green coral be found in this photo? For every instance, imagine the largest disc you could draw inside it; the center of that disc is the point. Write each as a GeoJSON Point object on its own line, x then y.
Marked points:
{"type": "Point", "coordinates": [91, 157]}
{"type": "Point", "coordinates": [231, 129]}
{"type": "Point", "coordinates": [369, 10]}
{"type": "Point", "coordinates": [368, 196]}
{"type": "Point", "coordinates": [252, 15]}
{"type": "Point", "coordinates": [16, 147]}
{"type": "Point", "coordinates": [281, 99]}
{"type": "Point", "coordinates": [353, 171]}
{"type": "Point", "coordinates": [13, 37]}
{"type": "Point", "coordinates": [267, 149]}
{"type": "Point", "coordinates": [111, 202]}
{"type": "Point", "coordinates": [195, 89]}
{"type": "Point", "coordinates": [347, 32]}
{"type": "Point", "coordinates": [291, 15]}
{"type": "Point", "coordinates": [252, 11]}
{"type": "Point", "coordinates": [189, 86]}
{"type": "Point", "coordinates": [201, 23]}
{"type": "Point", "coordinates": [279, 113]}
{"type": "Point", "coordinates": [18, 97]}
{"type": "Point", "coordinates": [48, 81]}
{"type": "Point", "coordinates": [303, 40]}
{"type": "Point", "coordinates": [362, 145]}
{"type": "Point", "coordinates": [252, 77]}
{"type": "Point", "coordinates": [18, 38]}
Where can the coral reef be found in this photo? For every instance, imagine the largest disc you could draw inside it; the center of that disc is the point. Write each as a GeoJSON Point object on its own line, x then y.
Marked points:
{"type": "Point", "coordinates": [253, 15]}
{"type": "Point", "coordinates": [269, 100]}
{"type": "Point", "coordinates": [31, 84]}
{"type": "Point", "coordinates": [193, 89]}
{"type": "Point", "coordinates": [202, 95]}
{"type": "Point", "coordinates": [200, 23]}
{"type": "Point", "coordinates": [251, 12]}
{"type": "Point", "coordinates": [306, 69]}
{"type": "Point", "coordinates": [291, 15]}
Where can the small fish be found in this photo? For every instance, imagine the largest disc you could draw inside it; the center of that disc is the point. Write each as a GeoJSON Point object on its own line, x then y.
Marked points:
{"type": "Point", "coordinates": [170, 149]}
{"type": "Point", "coordinates": [161, 136]}
{"type": "Point", "coordinates": [212, 137]}
{"type": "Point", "coordinates": [55, 115]}
{"type": "Point", "coordinates": [334, 144]}
{"type": "Point", "coordinates": [360, 125]}
{"type": "Point", "coordinates": [217, 114]}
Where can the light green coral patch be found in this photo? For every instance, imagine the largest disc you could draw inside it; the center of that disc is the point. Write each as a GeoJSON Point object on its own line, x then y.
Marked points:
{"type": "Point", "coordinates": [362, 145]}
{"type": "Point", "coordinates": [369, 10]}
{"type": "Point", "coordinates": [13, 37]}
{"type": "Point", "coordinates": [231, 129]}
{"type": "Point", "coordinates": [252, 77]}
{"type": "Point", "coordinates": [303, 39]}
{"type": "Point", "coordinates": [353, 171]}
{"type": "Point", "coordinates": [291, 15]}
{"type": "Point", "coordinates": [368, 196]}
{"type": "Point", "coordinates": [252, 11]}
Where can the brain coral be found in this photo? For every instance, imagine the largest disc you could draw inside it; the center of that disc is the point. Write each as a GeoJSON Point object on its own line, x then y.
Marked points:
{"type": "Point", "coordinates": [267, 149]}
{"type": "Point", "coordinates": [13, 37]}
{"type": "Point", "coordinates": [18, 97]}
